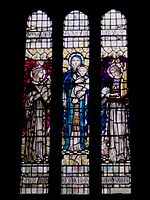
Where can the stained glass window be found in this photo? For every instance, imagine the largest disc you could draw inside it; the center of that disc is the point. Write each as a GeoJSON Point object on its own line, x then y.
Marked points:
{"type": "Point", "coordinates": [115, 118]}
{"type": "Point", "coordinates": [75, 133]}
{"type": "Point", "coordinates": [75, 165]}
{"type": "Point", "coordinates": [36, 105]}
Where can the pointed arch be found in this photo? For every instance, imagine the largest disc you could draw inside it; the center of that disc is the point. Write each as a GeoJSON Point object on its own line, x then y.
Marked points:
{"type": "Point", "coordinates": [35, 147]}
{"type": "Point", "coordinates": [75, 134]}
{"type": "Point", "coordinates": [115, 118]}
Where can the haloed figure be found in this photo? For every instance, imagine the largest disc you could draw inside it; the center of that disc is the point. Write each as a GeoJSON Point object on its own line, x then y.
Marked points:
{"type": "Point", "coordinates": [37, 106]}
{"type": "Point", "coordinates": [75, 93]}
{"type": "Point", "coordinates": [113, 99]}
{"type": "Point", "coordinates": [81, 84]}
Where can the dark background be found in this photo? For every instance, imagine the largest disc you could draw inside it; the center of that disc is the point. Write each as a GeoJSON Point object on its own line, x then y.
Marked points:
{"type": "Point", "coordinates": [12, 78]}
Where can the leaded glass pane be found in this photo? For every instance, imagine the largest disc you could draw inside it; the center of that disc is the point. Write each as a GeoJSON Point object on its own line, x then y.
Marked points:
{"type": "Point", "coordinates": [35, 147]}
{"type": "Point", "coordinates": [115, 117]}
{"type": "Point", "coordinates": [75, 134]}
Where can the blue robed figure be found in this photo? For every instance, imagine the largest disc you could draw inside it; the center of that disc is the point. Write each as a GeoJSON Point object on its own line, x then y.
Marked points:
{"type": "Point", "coordinates": [75, 61]}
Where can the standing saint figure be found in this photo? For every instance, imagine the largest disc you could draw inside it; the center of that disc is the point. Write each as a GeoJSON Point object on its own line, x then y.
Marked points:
{"type": "Point", "coordinates": [69, 82]}
{"type": "Point", "coordinates": [38, 96]}
{"type": "Point", "coordinates": [115, 102]}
